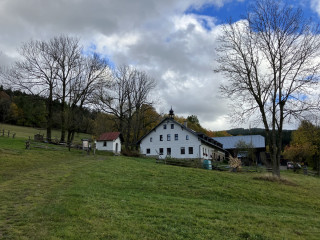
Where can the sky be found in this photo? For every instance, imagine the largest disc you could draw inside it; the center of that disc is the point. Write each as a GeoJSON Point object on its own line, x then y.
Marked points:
{"type": "Point", "coordinates": [173, 41]}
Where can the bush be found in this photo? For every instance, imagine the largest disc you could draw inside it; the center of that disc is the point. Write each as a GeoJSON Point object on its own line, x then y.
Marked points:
{"type": "Point", "coordinates": [235, 163]}
{"type": "Point", "coordinates": [130, 153]}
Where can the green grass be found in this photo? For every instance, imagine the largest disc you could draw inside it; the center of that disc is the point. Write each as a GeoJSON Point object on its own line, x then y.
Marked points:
{"type": "Point", "coordinates": [26, 132]}
{"type": "Point", "coordinates": [56, 194]}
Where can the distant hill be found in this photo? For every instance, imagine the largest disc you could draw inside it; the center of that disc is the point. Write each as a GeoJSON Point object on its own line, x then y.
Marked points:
{"type": "Point", "coordinates": [260, 131]}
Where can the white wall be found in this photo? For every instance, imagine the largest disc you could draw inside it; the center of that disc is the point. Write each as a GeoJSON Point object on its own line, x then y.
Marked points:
{"type": "Point", "coordinates": [175, 145]}
{"type": "Point", "coordinates": [111, 145]}
{"type": "Point", "coordinates": [200, 150]}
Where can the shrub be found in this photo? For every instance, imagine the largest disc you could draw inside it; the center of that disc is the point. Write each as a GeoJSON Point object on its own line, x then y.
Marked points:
{"type": "Point", "coordinates": [130, 153]}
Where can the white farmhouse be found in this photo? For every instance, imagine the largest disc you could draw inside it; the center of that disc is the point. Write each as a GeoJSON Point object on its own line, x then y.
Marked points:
{"type": "Point", "coordinates": [110, 141]}
{"type": "Point", "coordinates": [172, 139]}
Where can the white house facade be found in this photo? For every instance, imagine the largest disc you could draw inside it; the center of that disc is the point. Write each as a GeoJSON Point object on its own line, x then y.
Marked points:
{"type": "Point", "coordinates": [110, 141]}
{"type": "Point", "coordinates": [172, 139]}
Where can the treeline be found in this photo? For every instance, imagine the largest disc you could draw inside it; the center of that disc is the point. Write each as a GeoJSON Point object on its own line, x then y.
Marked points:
{"type": "Point", "coordinates": [20, 108]}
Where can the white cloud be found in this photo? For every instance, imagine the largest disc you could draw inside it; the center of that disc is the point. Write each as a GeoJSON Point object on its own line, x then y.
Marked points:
{"type": "Point", "coordinates": [315, 4]}
{"type": "Point", "coordinates": [156, 36]}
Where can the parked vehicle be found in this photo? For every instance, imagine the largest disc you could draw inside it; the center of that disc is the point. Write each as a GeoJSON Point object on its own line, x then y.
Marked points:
{"type": "Point", "coordinates": [292, 165]}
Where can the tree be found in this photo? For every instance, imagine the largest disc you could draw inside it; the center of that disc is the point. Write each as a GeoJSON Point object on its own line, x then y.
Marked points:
{"type": "Point", "coordinates": [248, 150]}
{"type": "Point", "coordinates": [5, 102]}
{"type": "Point", "coordinates": [65, 52]}
{"type": "Point", "coordinates": [90, 71]}
{"type": "Point", "coordinates": [36, 74]}
{"type": "Point", "coordinates": [193, 119]}
{"type": "Point", "coordinates": [144, 120]}
{"type": "Point", "coordinates": [123, 96]}
{"type": "Point", "coordinates": [305, 145]}
{"type": "Point", "coordinates": [103, 123]}
{"type": "Point", "coordinates": [270, 62]}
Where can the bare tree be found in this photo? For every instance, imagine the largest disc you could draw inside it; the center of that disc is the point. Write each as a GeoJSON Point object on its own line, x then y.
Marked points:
{"type": "Point", "coordinates": [90, 72]}
{"type": "Point", "coordinates": [270, 61]}
{"type": "Point", "coordinates": [66, 53]}
{"type": "Point", "coordinates": [142, 86]}
{"type": "Point", "coordinates": [123, 96]}
{"type": "Point", "coordinates": [35, 73]}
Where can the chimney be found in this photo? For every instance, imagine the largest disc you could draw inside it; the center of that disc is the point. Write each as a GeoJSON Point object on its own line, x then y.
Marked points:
{"type": "Point", "coordinates": [185, 123]}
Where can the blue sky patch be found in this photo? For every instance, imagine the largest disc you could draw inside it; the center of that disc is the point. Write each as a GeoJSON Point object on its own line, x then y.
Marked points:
{"type": "Point", "coordinates": [92, 49]}
{"type": "Point", "coordinates": [236, 10]}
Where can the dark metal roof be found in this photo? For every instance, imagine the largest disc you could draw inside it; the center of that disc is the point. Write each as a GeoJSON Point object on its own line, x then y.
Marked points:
{"type": "Point", "coordinates": [231, 142]}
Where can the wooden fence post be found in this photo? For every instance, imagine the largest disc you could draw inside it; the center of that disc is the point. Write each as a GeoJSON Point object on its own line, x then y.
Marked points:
{"type": "Point", "coordinates": [8, 133]}
{"type": "Point", "coordinates": [28, 144]}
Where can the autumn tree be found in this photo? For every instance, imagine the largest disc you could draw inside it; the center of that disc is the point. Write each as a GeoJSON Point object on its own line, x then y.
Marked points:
{"type": "Point", "coordinates": [144, 120]}
{"type": "Point", "coordinates": [270, 61]}
{"type": "Point", "coordinates": [305, 145]}
{"type": "Point", "coordinates": [5, 102]}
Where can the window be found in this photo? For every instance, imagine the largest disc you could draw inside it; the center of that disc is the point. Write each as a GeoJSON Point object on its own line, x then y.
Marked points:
{"type": "Point", "coordinates": [161, 138]}
{"type": "Point", "coordinates": [168, 137]}
{"type": "Point", "coordinates": [165, 126]}
{"type": "Point", "coordinates": [172, 126]}
{"type": "Point", "coordinates": [105, 143]}
{"type": "Point", "coordinates": [187, 137]}
{"type": "Point", "coordinates": [182, 150]}
{"type": "Point", "coordinates": [148, 150]}
{"type": "Point", "coordinates": [160, 151]}
{"type": "Point", "coordinates": [168, 151]}
{"type": "Point", "coordinates": [176, 137]}
{"type": "Point", "coordinates": [151, 139]}
{"type": "Point", "coordinates": [190, 150]}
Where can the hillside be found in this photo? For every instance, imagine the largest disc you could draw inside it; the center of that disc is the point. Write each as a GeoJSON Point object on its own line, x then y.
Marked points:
{"type": "Point", "coordinates": [56, 194]}
{"type": "Point", "coordinates": [26, 132]}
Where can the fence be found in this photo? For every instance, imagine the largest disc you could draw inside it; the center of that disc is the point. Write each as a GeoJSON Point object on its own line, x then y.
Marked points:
{"type": "Point", "coordinates": [7, 133]}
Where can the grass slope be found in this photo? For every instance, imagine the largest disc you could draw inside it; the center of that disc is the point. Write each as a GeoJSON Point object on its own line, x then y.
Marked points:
{"type": "Point", "coordinates": [50, 194]}
{"type": "Point", "coordinates": [26, 132]}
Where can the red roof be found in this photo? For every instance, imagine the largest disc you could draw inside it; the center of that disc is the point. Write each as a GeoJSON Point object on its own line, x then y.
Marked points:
{"type": "Point", "coordinates": [109, 136]}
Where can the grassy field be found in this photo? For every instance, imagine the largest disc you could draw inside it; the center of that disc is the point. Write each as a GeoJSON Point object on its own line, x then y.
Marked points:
{"type": "Point", "coordinates": [26, 132]}
{"type": "Point", "coordinates": [56, 194]}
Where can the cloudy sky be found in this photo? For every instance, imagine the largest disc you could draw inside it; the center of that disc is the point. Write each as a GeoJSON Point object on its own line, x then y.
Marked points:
{"type": "Point", "coordinates": [172, 40]}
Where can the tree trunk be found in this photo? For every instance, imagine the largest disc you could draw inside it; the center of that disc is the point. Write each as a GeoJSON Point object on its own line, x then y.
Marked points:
{"type": "Point", "coordinates": [49, 116]}
{"type": "Point", "coordinates": [318, 166]}
{"type": "Point", "coordinates": [63, 121]}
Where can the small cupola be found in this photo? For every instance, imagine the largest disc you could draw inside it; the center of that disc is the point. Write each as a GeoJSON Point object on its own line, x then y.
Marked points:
{"type": "Point", "coordinates": [171, 113]}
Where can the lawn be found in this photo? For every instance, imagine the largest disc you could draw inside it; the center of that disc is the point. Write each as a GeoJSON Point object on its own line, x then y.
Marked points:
{"type": "Point", "coordinates": [56, 194]}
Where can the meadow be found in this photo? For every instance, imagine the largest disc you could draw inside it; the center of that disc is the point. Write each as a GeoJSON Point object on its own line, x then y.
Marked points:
{"type": "Point", "coordinates": [26, 132]}
{"type": "Point", "coordinates": [57, 194]}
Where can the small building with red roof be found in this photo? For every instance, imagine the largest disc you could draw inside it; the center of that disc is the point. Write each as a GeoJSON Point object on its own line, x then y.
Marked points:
{"type": "Point", "coordinates": [110, 141]}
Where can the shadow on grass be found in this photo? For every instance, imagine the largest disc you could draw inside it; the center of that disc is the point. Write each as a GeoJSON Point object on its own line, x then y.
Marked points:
{"type": "Point", "coordinates": [270, 178]}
